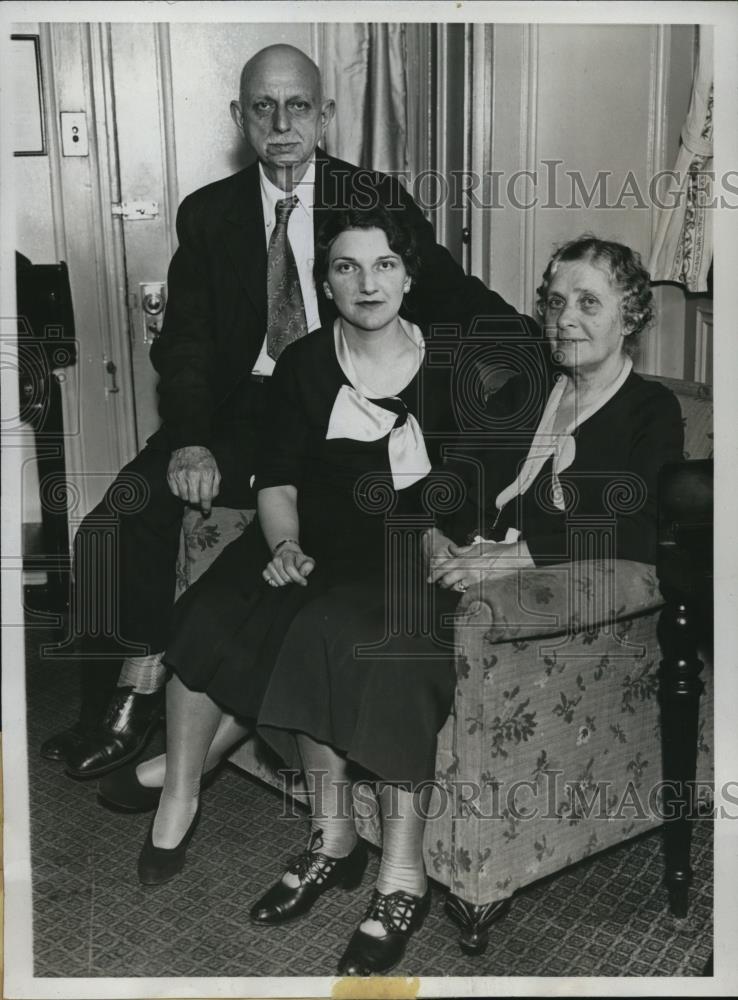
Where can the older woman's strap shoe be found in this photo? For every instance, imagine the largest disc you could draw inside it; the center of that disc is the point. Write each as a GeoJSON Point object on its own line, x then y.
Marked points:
{"type": "Point", "coordinates": [157, 865]}
{"type": "Point", "coordinates": [400, 914]}
{"type": "Point", "coordinates": [317, 873]}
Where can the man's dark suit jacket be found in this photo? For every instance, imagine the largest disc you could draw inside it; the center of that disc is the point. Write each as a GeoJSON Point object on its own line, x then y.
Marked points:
{"type": "Point", "coordinates": [216, 314]}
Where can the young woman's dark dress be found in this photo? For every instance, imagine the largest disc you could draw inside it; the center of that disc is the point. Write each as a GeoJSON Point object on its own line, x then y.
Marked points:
{"type": "Point", "coordinates": [230, 625]}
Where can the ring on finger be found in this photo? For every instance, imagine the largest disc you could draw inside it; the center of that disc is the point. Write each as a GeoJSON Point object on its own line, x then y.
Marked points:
{"type": "Point", "coordinates": [461, 586]}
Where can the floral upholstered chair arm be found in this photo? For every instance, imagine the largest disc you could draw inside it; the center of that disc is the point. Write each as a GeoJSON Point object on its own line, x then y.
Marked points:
{"type": "Point", "coordinates": [556, 699]}
{"type": "Point", "coordinates": [573, 597]}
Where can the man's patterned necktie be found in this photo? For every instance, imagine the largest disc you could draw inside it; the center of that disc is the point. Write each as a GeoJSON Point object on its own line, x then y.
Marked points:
{"type": "Point", "coordinates": [285, 309]}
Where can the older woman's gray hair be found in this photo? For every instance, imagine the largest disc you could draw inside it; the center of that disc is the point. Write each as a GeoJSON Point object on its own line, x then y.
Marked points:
{"type": "Point", "coordinates": [626, 272]}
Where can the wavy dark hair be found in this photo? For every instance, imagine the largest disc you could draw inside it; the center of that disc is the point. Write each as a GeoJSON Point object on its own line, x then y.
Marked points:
{"type": "Point", "coordinates": [400, 237]}
{"type": "Point", "coordinates": [626, 272]}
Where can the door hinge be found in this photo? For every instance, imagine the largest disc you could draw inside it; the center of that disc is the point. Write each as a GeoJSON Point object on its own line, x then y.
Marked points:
{"type": "Point", "coordinates": [134, 211]}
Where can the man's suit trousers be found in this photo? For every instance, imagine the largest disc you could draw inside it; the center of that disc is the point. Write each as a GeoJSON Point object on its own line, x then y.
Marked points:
{"type": "Point", "coordinates": [125, 554]}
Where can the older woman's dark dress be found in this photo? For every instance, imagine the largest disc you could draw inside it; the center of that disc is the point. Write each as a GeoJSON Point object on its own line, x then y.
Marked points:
{"type": "Point", "coordinates": [609, 489]}
{"type": "Point", "coordinates": [384, 710]}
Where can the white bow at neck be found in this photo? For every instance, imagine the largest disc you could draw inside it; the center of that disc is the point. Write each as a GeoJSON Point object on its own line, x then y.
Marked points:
{"type": "Point", "coordinates": [356, 417]}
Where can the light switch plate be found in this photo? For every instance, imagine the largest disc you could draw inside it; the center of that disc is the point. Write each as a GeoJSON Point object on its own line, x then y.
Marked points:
{"type": "Point", "coordinates": [74, 139]}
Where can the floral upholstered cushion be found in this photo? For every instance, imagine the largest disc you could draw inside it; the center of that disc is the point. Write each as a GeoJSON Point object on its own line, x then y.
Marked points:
{"type": "Point", "coordinates": [695, 400]}
{"type": "Point", "coordinates": [204, 538]}
{"type": "Point", "coordinates": [574, 597]}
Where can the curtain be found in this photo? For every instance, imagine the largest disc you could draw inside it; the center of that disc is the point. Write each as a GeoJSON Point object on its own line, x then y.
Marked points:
{"type": "Point", "coordinates": [363, 68]}
{"type": "Point", "coordinates": [682, 249]}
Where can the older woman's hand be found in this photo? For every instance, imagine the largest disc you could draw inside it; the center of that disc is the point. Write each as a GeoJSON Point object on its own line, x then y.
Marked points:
{"type": "Point", "coordinates": [470, 564]}
{"type": "Point", "coordinates": [290, 565]}
{"type": "Point", "coordinates": [436, 545]}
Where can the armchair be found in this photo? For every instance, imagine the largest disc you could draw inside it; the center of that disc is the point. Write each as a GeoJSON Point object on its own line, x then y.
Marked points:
{"type": "Point", "coordinates": [552, 751]}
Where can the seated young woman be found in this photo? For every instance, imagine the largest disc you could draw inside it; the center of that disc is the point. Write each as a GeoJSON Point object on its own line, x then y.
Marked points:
{"type": "Point", "coordinates": [355, 422]}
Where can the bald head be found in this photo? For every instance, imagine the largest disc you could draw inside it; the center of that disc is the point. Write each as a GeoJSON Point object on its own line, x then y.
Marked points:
{"type": "Point", "coordinates": [281, 111]}
{"type": "Point", "coordinates": [281, 59]}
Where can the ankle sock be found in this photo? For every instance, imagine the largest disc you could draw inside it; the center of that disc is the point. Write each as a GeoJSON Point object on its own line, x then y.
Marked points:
{"type": "Point", "coordinates": [330, 792]}
{"type": "Point", "coordinates": [337, 836]}
{"type": "Point", "coordinates": [403, 825]}
{"type": "Point", "coordinates": [145, 674]}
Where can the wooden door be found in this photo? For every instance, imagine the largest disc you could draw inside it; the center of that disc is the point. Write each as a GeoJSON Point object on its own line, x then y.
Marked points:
{"type": "Point", "coordinates": [453, 65]}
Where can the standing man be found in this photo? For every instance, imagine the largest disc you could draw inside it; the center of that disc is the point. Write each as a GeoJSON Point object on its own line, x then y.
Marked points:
{"type": "Point", "coordinates": [240, 289]}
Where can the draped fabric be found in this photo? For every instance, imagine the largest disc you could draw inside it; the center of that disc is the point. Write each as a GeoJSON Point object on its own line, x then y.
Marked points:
{"type": "Point", "coordinates": [682, 249]}
{"type": "Point", "coordinates": [363, 68]}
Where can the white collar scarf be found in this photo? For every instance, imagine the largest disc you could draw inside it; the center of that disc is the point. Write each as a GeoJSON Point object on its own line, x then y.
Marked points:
{"type": "Point", "coordinates": [355, 416]}
{"type": "Point", "coordinates": [562, 445]}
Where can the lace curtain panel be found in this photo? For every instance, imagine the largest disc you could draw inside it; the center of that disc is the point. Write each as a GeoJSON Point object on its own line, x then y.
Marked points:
{"type": "Point", "coordinates": [682, 249]}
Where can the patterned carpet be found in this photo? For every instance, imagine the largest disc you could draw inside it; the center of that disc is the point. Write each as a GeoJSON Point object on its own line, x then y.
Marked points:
{"type": "Point", "coordinates": [606, 916]}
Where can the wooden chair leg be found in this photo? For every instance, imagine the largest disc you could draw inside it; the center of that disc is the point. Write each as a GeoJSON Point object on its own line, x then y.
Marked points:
{"type": "Point", "coordinates": [680, 688]}
{"type": "Point", "coordinates": [474, 921]}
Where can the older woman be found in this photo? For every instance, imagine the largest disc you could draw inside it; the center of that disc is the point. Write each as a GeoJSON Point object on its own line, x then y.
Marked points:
{"type": "Point", "coordinates": [550, 494]}
{"type": "Point", "coordinates": [592, 424]}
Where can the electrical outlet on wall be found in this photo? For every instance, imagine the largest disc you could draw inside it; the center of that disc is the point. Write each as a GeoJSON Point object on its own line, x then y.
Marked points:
{"type": "Point", "coordinates": [74, 139]}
